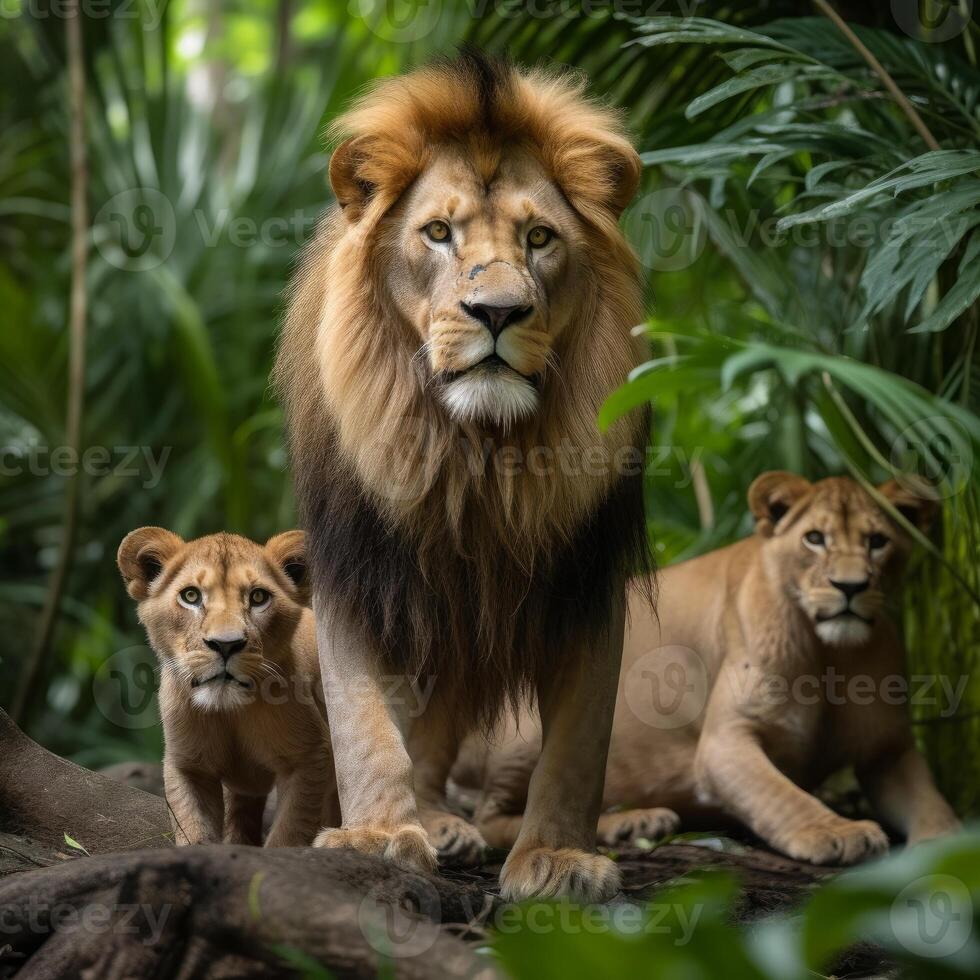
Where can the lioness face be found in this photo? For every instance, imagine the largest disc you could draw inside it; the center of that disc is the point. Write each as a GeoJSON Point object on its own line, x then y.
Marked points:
{"type": "Point", "coordinates": [217, 610]}
{"type": "Point", "coordinates": [489, 275]}
{"type": "Point", "coordinates": [834, 549]}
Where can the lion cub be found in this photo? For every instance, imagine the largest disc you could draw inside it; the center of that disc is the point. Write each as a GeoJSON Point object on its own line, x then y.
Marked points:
{"type": "Point", "coordinates": [240, 693]}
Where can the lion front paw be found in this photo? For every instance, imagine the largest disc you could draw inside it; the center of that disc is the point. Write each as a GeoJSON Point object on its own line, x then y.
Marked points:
{"type": "Point", "coordinates": [631, 825]}
{"type": "Point", "coordinates": [456, 840]}
{"type": "Point", "coordinates": [544, 872]}
{"type": "Point", "coordinates": [406, 846]}
{"type": "Point", "coordinates": [837, 842]}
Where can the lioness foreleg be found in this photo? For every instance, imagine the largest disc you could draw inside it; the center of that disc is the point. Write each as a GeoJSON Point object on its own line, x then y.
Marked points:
{"type": "Point", "coordinates": [901, 790]}
{"type": "Point", "coordinates": [197, 806]}
{"type": "Point", "coordinates": [374, 771]}
{"type": "Point", "coordinates": [555, 849]}
{"type": "Point", "coordinates": [734, 770]}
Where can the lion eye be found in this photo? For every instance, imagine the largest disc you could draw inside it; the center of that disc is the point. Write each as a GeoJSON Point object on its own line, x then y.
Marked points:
{"type": "Point", "coordinates": [877, 541]}
{"type": "Point", "coordinates": [258, 597]}
{"type": "Point", "coordinates": [539, 237]}
{"type": "Point", "coordinates": [190, 597]}
{"type": "Point", "coordinates": [814, 537]}
{"type": "Point", "coordinates": [438, 231]}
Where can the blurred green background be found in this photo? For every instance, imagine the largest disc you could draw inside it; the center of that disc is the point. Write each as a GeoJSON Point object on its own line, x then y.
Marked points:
{"type": "Point", "coordinates": [812, 259]}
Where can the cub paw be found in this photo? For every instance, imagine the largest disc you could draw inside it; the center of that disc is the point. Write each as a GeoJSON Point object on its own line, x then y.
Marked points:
{"type": "Point", "coordinates": [630, 825]}
{"type": "Point", "coordinates": [458, 843]}
{"type": "Point", "coordinates": [838, 842]}
{"type": "Point", "coordinates": [406, 846]}
{"type": "Point", "coordinates": [543, 872]}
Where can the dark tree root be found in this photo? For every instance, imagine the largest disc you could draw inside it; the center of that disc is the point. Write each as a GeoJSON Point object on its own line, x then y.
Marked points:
{"type": "Point", "coordinates": [132, 905]}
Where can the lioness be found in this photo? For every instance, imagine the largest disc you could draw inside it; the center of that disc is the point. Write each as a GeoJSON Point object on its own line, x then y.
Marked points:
{"type": "Point", "coordinates": [454, 329]}
{"type": "Point", "coordinates": [769, 666]}
{"type": "Point", "coordinates": [240, 694]}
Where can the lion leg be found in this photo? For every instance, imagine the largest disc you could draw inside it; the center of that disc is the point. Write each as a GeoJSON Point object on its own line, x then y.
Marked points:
{"type": "Point", "coordinates": [196, 803]}
{"type": "Point", "coordinates": [374, 771]}
{"type": "Point", "coordinates": [627, 826]}
{"type": "Point", "coordinates": [554, 854]}
{"type": "Point", "coordinates": [734, 769]}
{"type": "Point", "coordinates": [433, 746]}
{"type": "Point", "coordinates": [298, 816]}
{"type": "Point", "coordinates": [243, 818]}
{"type": "Point", "coordinates": [901, 790]}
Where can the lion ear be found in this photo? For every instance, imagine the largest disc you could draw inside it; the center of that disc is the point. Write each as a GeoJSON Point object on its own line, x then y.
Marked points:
{"type": "Point", "coordinates": [142, 556]}
{"type": "Point", "coordinates": [350, 187]}
{"type": "Point", "coordinates": [288, 552]}
{"type": "Point", "coordinates": [772, 495]}
{"type": "Point", "coordinates": [913, 499]}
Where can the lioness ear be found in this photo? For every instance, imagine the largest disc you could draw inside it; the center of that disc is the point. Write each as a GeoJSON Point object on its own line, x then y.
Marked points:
{"type": "Point", "coordinates": [913, 499]}
{"type": "Point", "coordinates": [288, 551]}
{"type": "Point", "coordinates": [142, 555]}
{"type": "Point", "coordinates": [771, 496]}
{"type": "Point", "coordinates": [350, 187]}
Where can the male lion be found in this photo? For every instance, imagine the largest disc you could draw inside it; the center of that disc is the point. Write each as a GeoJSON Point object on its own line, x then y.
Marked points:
{"type": "Point", "coordinates": [769, 666]}
{"type": "Point", "coordinates": [453, 332]}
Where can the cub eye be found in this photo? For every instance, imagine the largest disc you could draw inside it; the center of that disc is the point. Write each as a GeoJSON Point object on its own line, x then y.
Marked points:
{"type": "Point", "coordinates": [539, 237]}
{"type": "Point", "coordinates": [258, 597]}
{"type": "Point", "coordinates": [814, 537]}
{"type": "Point", "coordinates": [438, 231]}
{"type": "Point", "coordinates": [192, 597]}
{"type": "Point", "coordinates": [877, 541]}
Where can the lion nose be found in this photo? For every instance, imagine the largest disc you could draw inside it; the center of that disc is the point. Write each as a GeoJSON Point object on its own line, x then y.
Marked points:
{"type": "Point", "coordinates": [850, 589]}
{"type": "Point", "coordinates": [496, 318]}
{"type": "Point", "coordinates": [226, 645]}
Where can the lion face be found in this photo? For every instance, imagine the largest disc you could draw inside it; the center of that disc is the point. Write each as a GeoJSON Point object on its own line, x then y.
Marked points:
{"type": "Point", "coordinates": [490, 275]}
{"type": "Point", "coordinates": [218, 610]}
{"type": "Point", "coordinates": [833, 549]}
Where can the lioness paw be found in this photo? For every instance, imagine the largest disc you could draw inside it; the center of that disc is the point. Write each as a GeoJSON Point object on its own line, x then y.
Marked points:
{"type": "Point", "coordinates": [838, 842]}
{"type": "Point", "coordinates": [458, 843]}
{"type": "Point", "coordinates": [631, 825]}
{"type": "Point", "coordinates": [406, 846]}
{"type": "Point", "coordinates": [543, 872]}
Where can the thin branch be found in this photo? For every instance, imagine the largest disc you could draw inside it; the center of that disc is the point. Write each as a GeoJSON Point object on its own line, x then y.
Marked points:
{"type": "Point", "coordinates": [31, 677]}
{"type": "Point", "coordinates": [879, 69]}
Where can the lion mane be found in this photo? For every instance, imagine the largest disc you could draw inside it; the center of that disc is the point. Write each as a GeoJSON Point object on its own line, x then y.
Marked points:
{"type": "Point", "coordinates": [484, 574]}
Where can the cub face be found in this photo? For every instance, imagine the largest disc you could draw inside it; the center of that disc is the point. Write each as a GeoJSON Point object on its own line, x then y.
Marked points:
{"type": "Point", "coordinates": [835, 551]}
{"type": "Point", "coordinates": [219, 611]}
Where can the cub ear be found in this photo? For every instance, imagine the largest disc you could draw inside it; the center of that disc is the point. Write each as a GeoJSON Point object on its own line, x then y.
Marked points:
{"type": "Point", "coordinates": [350, 186]}
{"type": "Point", "coordinates": [142, 555]}
{"type": "Point", "coordinates": [288, 551]}
{"type": "Point", "coordinates": [913, 499]}
{"type": "Point", "coordinates": [771, 496]}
